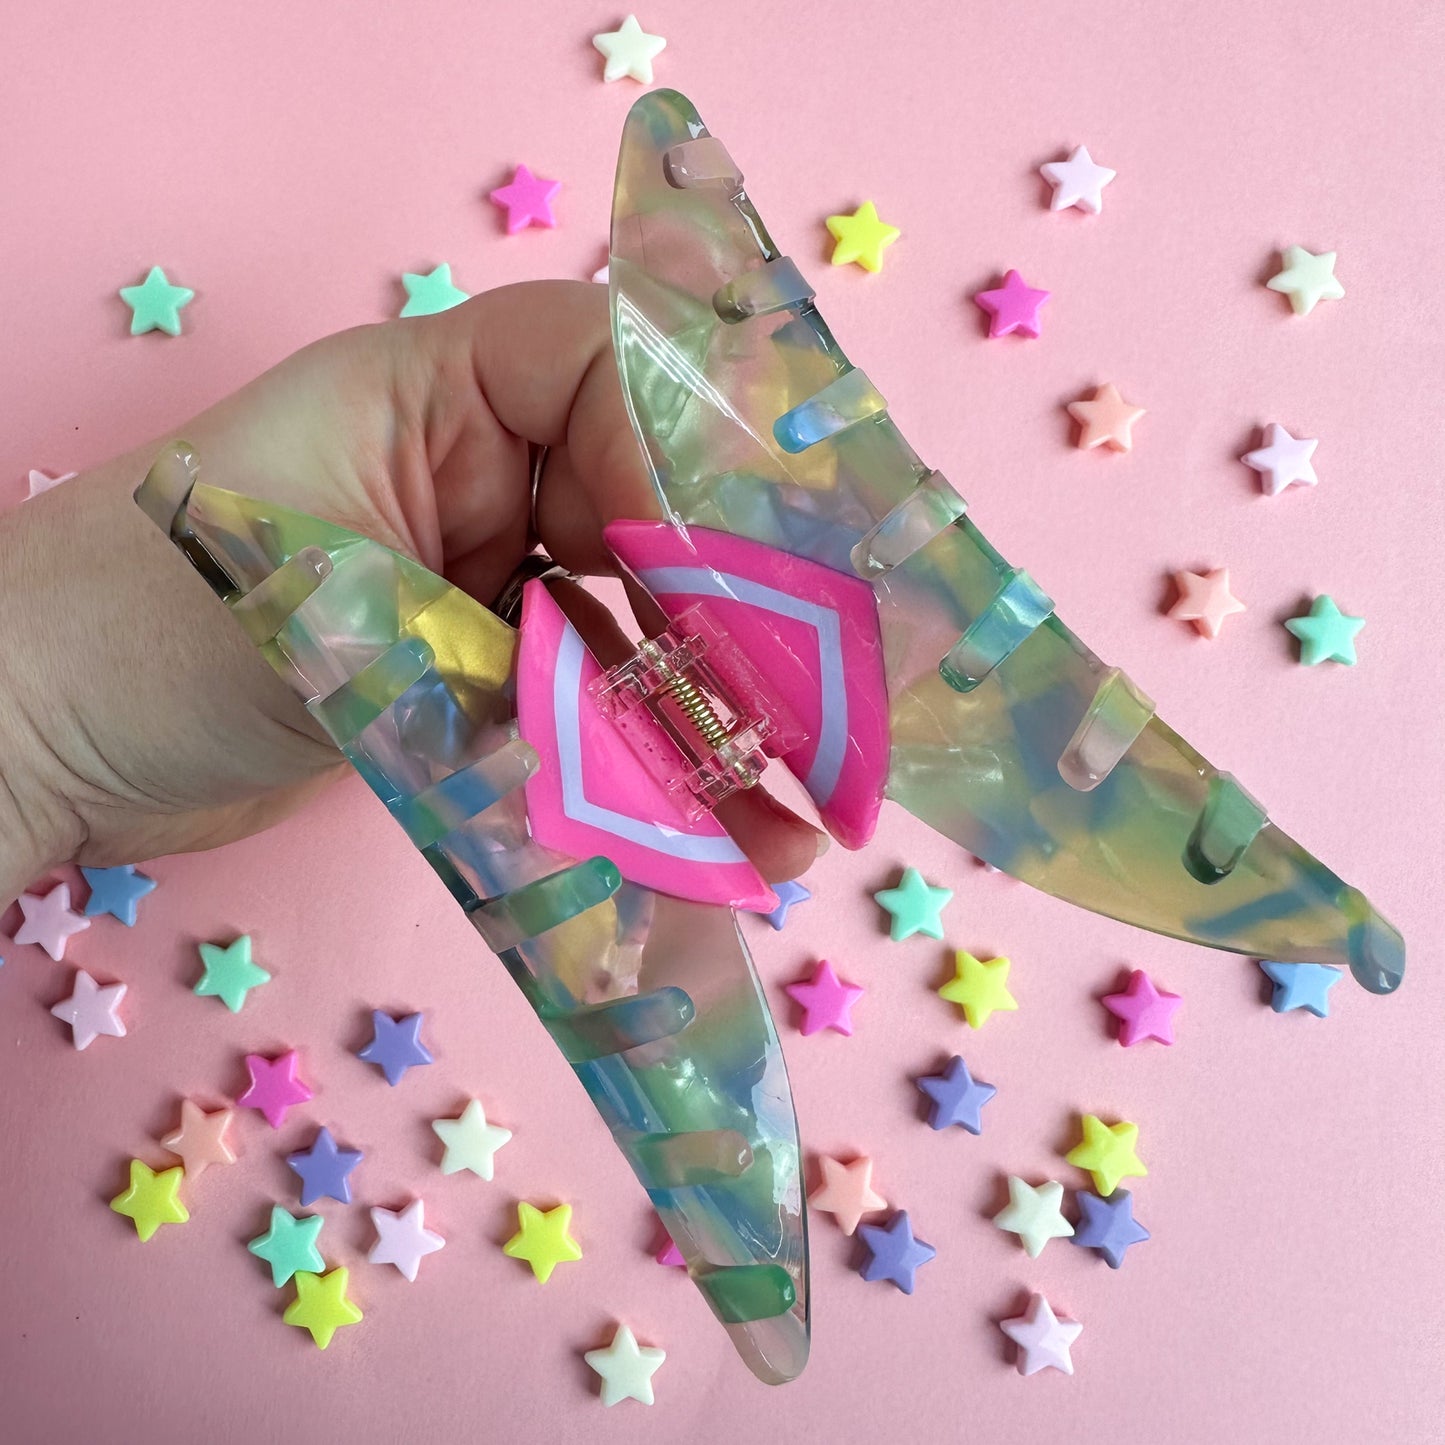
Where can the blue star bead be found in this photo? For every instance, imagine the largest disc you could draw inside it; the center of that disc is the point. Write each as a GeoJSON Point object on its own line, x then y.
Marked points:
{"type": "Point", "coordinates": [116, 891]}
{"type": "Point", "coordinates": [958, 1098]}
{"type": "Point", "coordinates": [1108, 1225]}
{"type": "Point", "coordinates": [1301, 985]}
{"type": "Point", "coordinates": [324, 1169]}
{"type": "Point", "coordinates": [893, 1252]}
{"type": "Point", "coordinates": [788, 894]}
{"type": "Point", "coordinates": [395, 1046]}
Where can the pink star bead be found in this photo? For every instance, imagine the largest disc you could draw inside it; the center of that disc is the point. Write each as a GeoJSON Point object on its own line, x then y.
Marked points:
{"type": "Point", "coordinates": [200, 1140]}
{"type": "Point", "coordinates": [274, 1086]}
{"type": "Point", "coordinates": [1043, 1339]}
{"type": "Point", "coordinates": [40, 482]}
{"type": "Point", "coordinates": [49, 920]}
{"type": "Point", "coordinates": [1205, 600]}
{"type": "Point", "coordinates": [527, 200]}
{"type": "Point", "coordinates": [670, 1254]}
{"type": "Point", "coordinates": [91, 1010]}
{"type": "Point", "coordinates": [1143, 1011]}
{"type": "Point", "coordinates": [1012, 307]}
{"type": "Point", "coordinates": [847, 1192]}
{"type": "Point", "coordinates": [826, 1000]}
{"type": "Point", "coordinates": [1105, 419]}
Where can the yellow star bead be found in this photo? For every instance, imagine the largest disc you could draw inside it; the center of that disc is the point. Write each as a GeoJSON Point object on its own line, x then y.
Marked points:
{"type": "Point", "coordinates": [321, 1305]}
{"type": "Point", "coordinates": [1107, 1152]}
{"type": "Point", "coordinates": [861, 237]}
{"type": "Point", "coordinates": [543, 1240]}
{"type": "Point", "coordinates": [979, 988]}
{"type": "Point", "coordinates": [151, 1200]}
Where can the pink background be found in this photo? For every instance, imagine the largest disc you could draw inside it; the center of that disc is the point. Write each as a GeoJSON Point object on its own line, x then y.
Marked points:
{"type": "Point", "coordinates": [288, 162]}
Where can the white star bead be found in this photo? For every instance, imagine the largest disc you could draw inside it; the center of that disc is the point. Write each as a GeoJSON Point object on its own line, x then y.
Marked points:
{"type": "Point", "coordinates": [91, 1010]}
{"type": "Point", "coordinates": [1307, 278]}
{"type": "Point", "coordinates": [626, 1368]}
{"type": "Point", "coordinates": [629, 50]}
{"type": "Point", "coordinates": [471, 1142]}
{"type": "Point", "coordinates": [1283, 460]}
{"type": "Point", "coordinates": [402, 1238]}
{"type": "Point", "coordinates": [1077, 181]}
{"type": "Point", "coordinates": [1035, 1215]}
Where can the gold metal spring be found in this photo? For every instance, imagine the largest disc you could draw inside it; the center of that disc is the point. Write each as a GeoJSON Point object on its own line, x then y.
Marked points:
{"type": "Point", "coordinates": [699, 711]}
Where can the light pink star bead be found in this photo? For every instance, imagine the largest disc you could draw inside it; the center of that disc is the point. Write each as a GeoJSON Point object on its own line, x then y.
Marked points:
{"type": "Point", "coordinates": [49, 920]}
{"type": "Point", "coordinates": [1205, 600]}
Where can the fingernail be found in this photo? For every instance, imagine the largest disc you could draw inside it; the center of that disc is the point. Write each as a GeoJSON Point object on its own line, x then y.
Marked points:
{"type": "Point", "coordinates": [824, 843]}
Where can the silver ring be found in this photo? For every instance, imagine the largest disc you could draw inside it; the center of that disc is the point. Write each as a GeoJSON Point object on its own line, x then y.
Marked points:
{"type": "Point", "coordinates": [539, 466]}
{"type": "Point", "coordinates": [535, 566]}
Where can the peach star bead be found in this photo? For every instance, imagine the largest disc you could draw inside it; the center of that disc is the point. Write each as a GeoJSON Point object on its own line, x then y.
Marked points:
{"type": "Point", "coordinates": [1106, 420]}
{"type": "Point", "coordinates": [1205, 600]}
{"type": "Point", "coordinates": [847, 1192]}
{"type": "Point", "coordinates": [201, 1139]}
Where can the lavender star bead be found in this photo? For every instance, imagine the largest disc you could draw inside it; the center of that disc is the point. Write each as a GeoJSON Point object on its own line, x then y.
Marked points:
{"type": "Point", "coordinates": [958, 1098]}
{"type": "Point", "coordinates": [396, 1045]}
{"type": "Point", "coordinates": [324, 1169]}
{"type": "Point", "coordinates": [894, 1253]}
{"type": "Point", "coordinates": [1108, 1225]}
{"type": "Point", "coordinates": [788, 894]}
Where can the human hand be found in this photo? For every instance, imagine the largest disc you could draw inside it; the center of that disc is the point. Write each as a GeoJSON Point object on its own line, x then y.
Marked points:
{"type": "Point", "coordinates": [135, 718]}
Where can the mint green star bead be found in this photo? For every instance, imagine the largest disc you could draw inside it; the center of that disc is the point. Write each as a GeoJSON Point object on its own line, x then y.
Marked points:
{"type": "Point", "coordinates": [155, 304]}
{"type": "Point", "coordinates": [289, 1246]}
{"type": "Point", "coordinates": [426, 295]}
{"type": "Point", "coordinates": [230, 975]}
{"type": "Point", "coordinates": [1326, 634]}
{"type": "Point", "coordinates": [915, 906]}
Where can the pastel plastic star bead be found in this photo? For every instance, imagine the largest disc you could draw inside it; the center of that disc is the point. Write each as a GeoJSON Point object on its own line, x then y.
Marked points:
{"type": "Point", "coordinates": [957, 1097]}
{"type": "Point", "coordinates": [915, 906]}
{"type": "Point", "coordinates": [1143, 1011]}
{"type": "Point", "coordinates": [527, 200]}
{"type": "Point", "coordinates": [625, 1368]}
{"type": "Point", "coordinates": [470, 1142]}
{"type": "Point", "coordinates": [395, 1045]}
{"type": "Point", "coordinates": [1283, 461]}
{"type": "Point", "coordinates": [789, 895]}
{"type": "Point", "coordinates": [1307, 278]}
{"type": "Point", "coordinates": [1043, 1339]}
{"type": "Point", "coordinates": [1301, 985]}
{"type": "Point", "coordinates": [40, 482]}
{"type": "Point", "coordinates": [229, 974]}
{"type": "Point", "coordinates": [430, 292]}
{"type": "Point", "coordinates": [1108, 1152]}
{"type": "Point", "coordinates": [1108, 1225]}
{"type": "Point", "coordinates": [324, 1169]}
{"type": "Point", "coordinates": [402, 1238]}
{"type": "Point", "coordinates": [543, 1239]}
{"type": "Point", "coordinates": [151, 1199]}
{"type": "Point", "coordinates": [1205, 600]}
{"type": "Point", "coordinates": [91, 1010]}
{"type": "Point", "coordinates": [1325, 633]}
{"type": "Point", "coordinates": [49, 920]}
{"type": "Point", "coordinates": [861, 237]}
{"type": "Point", "coordinates": [1078, 182]}
{"type": "Point", "coordinates": [1013, 308]}
{"type": "Point", "coordinates": [200, 1140]}
{"type": "Point", "coordinates": [289, 1245]}
{"type": "Point", "coordinates": [274, 1086]}
{"type": "Point", "coordinates": [1034, 1213]}
{"type": "Point", "coordinates": [847, 1192]}
{"type": "Point", "coordinates": [155, 304]}
{"type": "Point", "coordinates": [826, 1000]}
{"type": "Point", "coordinates": [629, 51]}
{"type": "Point", "coordinates": [321, 1305]}
{"type": "Point", "coordinates": [116, 891]}
{"type": "Point", "coordinates": [894, 1253]}
{"type": "Point", "coordinates": [670, 1255]}
{"type": "Point", "coordinates": [979, 987]}
{"type": "Point", "coordinates": [1105, 420]}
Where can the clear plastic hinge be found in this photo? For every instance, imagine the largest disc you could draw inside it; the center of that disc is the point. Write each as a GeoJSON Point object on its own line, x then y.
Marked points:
{"type": "Point", "coordinates": [692, 708]}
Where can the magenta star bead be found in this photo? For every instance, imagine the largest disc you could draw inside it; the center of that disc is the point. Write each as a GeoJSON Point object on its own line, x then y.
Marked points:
{"type": "Point", "coordinates": [826, 1000]}
{"type": "Point", "coordinates": [1143, 1011]}
{"type": "Point", "coordinates": [527, 200]}
{"type": "Point", "coordinates": [1012, 307]}
{"type": "Point", "coordinates": [274, 1086]}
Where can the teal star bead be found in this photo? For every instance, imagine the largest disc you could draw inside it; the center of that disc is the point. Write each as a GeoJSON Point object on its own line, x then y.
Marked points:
{"type": "Point", "coordinates": [915, 906]}
{"type": "Point", "coordinates": [289, 1246]}
{"type": "Point", "coordinates": [1326, 634]}
{"type": "Point", "coordinates": [230, 975]}
{"type": "Point", "coordinates": [426, 295]}
{"type": "Point", "coordinates": [155, 304]}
